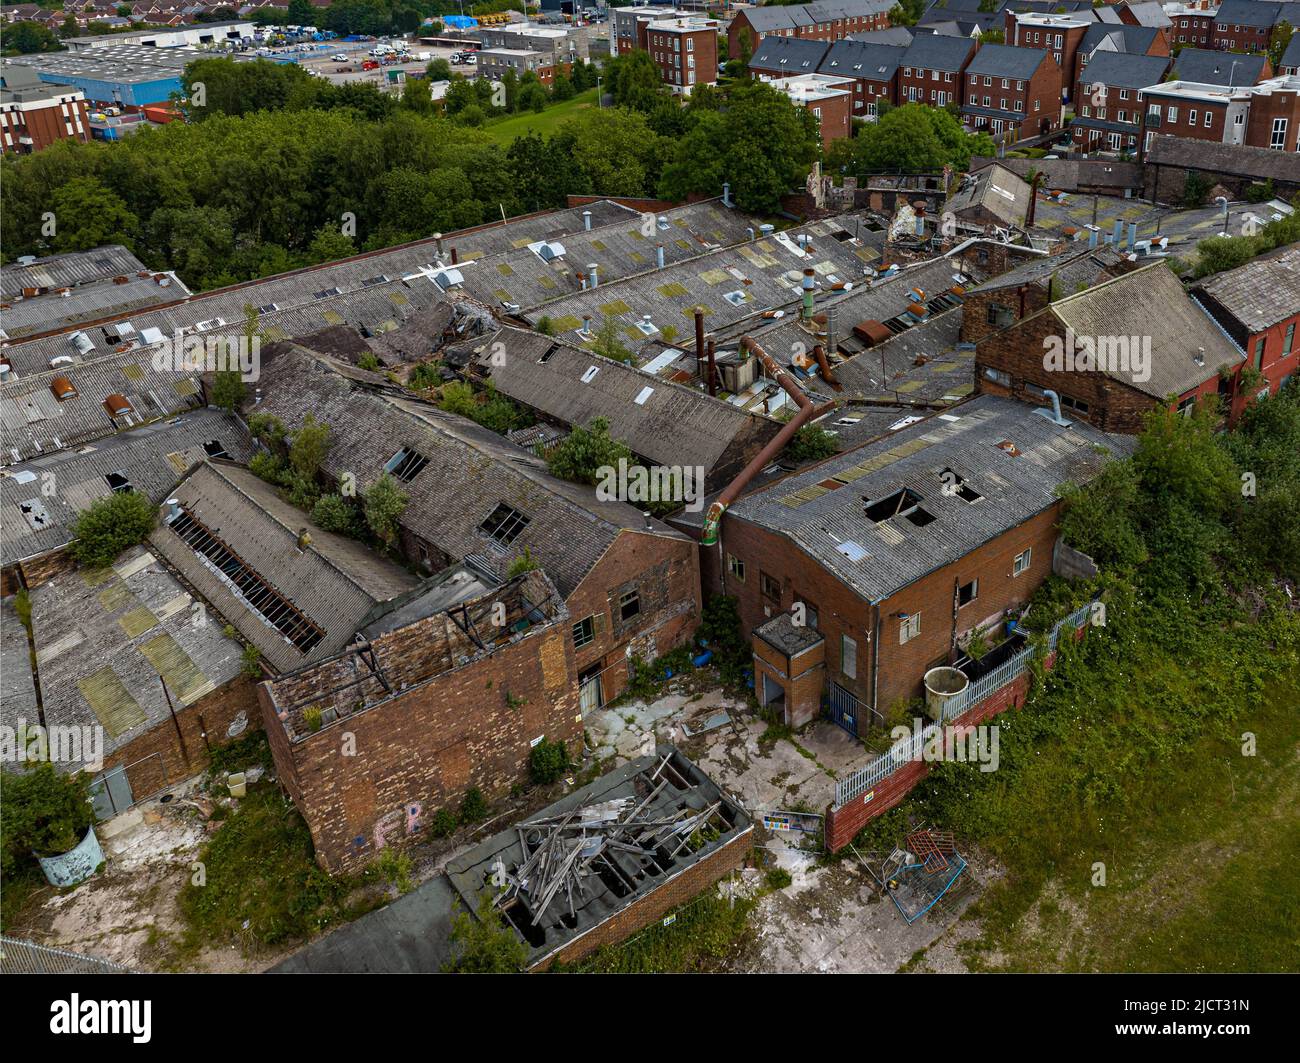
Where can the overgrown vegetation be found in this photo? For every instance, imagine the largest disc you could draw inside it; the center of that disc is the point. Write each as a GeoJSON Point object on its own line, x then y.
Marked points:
{"type": "Point", "coordinates": [110, 525]}
{"type": "Point", "coordinates": [548, 761]}
{"type": "Point", "coordinates": [720, 629]}
{"type": "Point", "coordinates": [1199, 633]}
{"type": "Point", "coordinates": [1228, 252]}
{"type": "Point", "coordinates": [45, 812]}
{"type": "Point", "coordinates": [484, 945]}
{"type": "Point", "coordinates": [259, 870]}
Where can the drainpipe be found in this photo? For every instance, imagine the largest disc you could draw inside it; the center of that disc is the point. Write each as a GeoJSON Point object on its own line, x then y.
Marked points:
{"type": "Point", "coordinates": [453, 256]}
{"type": "Point", "coordinates": [699, 341]}
{"type": "Point", "coordinates": [713, 519]}
{"type": "Point", "coordinates": [1033, 199]}
{"type": "Point", "coordinates": [713, 371]}
{"type": "Point", "coordinates": [726, 194]}
{"type": "Point", "coordinates": [659, 256]}
{"type": "Point", "coordinates": [809, 283]}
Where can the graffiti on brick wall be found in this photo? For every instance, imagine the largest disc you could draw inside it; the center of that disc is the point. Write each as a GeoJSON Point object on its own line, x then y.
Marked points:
{"type": "Point", "coordinates": [400, 822]}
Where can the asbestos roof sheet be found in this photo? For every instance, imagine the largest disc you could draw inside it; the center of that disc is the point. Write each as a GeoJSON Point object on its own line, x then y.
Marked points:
{"type": "Point", "coordinates": [831, 524]}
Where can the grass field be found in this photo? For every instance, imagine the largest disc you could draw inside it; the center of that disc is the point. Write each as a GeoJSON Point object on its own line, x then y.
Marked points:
{"type": "Point", "coordinates": [504, 130]}
{"type": "Point", "coordinates": [1206, 878]}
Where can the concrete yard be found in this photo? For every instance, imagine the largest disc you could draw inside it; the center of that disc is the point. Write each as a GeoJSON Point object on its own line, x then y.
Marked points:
{"type": "Point", "coordinates": [831, 918]}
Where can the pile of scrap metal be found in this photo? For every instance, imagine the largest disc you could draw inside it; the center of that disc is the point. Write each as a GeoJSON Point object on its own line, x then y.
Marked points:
{"type": "Point", "coordinates": [916, 878]}
{"type": "Point", "coordinates": [575, 854]}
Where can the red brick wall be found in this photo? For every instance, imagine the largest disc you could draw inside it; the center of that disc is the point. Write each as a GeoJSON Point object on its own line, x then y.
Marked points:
{"type": "Point", "coordinates": [211, 715]}
{"type": "Point", "coordinates": [1112, 406]}
{"type": "Point", "coordinates": [1264, 108]}
{"type": "Point", "coordinates": [665, 575]}
{"type": "Point", "coordinates": [841, 612]}
{"type": "Point", "coordinates": [423, 748]}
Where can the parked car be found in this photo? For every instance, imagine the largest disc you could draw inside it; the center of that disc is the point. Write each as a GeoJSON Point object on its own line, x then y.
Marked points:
{"type": "Point", "coordinates": [370, 64]}
{"type": "Point", "coordinates": [340, 58]}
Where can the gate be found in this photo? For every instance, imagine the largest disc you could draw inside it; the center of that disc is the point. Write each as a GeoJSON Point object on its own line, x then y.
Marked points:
{"type": "Point", "coordinates": [845, 708]}
{"type": "Point", "coordinates": [110, 793]}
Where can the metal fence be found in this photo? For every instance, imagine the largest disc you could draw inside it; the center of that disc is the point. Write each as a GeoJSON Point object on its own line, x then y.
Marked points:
{"type": "Point", "coordinates": [26, 957]}
{"type": "Point", "coordinates": [906, 750]}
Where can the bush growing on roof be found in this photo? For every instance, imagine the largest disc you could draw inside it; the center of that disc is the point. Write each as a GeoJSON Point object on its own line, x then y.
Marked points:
{"type": "Point", "coordinates": [384, 503]}
{"type": "Point", "coordinates": [584, 451]}
{"type": "Point", "coordinates": [111, 525]}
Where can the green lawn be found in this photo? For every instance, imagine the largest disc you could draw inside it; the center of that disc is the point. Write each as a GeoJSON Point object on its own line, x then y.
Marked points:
{"type": "Point", "coordinates": [1206, 879]}
{"type": "Point", "coordinates": [504, 130]}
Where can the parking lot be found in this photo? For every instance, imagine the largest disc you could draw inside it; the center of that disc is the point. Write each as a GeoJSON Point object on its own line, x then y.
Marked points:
{"type": "Point", "coordinates": [319, 57]}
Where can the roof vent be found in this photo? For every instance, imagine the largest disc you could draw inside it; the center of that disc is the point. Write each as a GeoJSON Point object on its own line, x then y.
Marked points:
{"type": "Point", "coordinates": [62, 388]}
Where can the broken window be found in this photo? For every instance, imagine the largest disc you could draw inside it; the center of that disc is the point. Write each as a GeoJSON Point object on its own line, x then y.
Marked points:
{"type": "Point", "coordinates": [629, 605]}
{"type": "Point", "coordinates": [770, 587]}
{"type": "Point", "coordinates": [213, 449]}
{"type": "Point", "coordinates": [119, 483]}
{"type": "Point", "coordinates": [909, 627]}
{"type": "Point", "coordinates": [504, 524]}
{"type": "Point", "coordinates": [546, 355]}
{"type": "Point", "coordinates": [1022, 562]}
{"type": "Point", "coordinates": [999, 316]}
{"type": "Point", "coordinates": [584, 632]}
{"type": "Point", "coordinates": [902, 503]}
{"type": "Point", "coordinates": [736, 567]}
{"type": "Point", "coordinates": [252, 589]}
{"type": "Point", "coordinates": [406, 464]}
{"type": "Point", "coordinates": [968, 592]}
{"type": "Point", "coordinates": [1077, 405]}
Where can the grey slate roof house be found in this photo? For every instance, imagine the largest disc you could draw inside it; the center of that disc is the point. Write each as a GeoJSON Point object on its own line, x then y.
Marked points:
{"type": "Point", "coordinates": [1206, 66]}
{"type": "Point", "coordinates": [150, 458]}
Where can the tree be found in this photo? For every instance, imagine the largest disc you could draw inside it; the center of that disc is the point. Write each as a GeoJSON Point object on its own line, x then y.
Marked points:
{"type": "Point", "coordinates": [309, 446]}
{"type": "Point", "coordinates": [329, 245]}
{"type": "Point", "coordinates": [334, 513]}
{"type": "Point", "coordinates": [88, 215]}
{"type": "Point", "coordinates": [584, 451]}
{"type": "Point", "coordinates": [110, 525]}
{"type": "Point", "coordinates": [301, 13]}
{"type": "Point", "coordinates": [384, 503]}
{"type": "Point", "coordinates": [486, 944]}
{"type": "Point", "coordinates": [68, 27]}
{"type": "Point", "coordinates": [633, 81]}
{"type": "Point", "coordinates": [438, 70]}
{"type": "Point", "coordinates": [915, 137]}
{"type": "Point", "coordinates": [45, 812]}
{"type": "Point", "coordinates": [1278, 40]}
{"type": "Point", "coordinates": [28, 37]}
{"type": "Point", "coordinates": [607, 343]}
{"type": "Point", "coordinates": [760, 142]}
{"type": "Point", "coordinates": [616, 149]}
